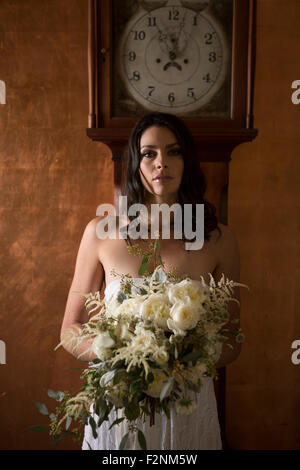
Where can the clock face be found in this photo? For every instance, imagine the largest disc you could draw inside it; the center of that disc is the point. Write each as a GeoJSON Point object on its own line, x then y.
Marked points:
{"type": "Point", "coordinates": [173, 58]}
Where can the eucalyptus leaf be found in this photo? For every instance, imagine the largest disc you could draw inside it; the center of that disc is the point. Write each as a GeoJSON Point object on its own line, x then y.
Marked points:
{"type": "Point", "coordinates": [142, 440]}
{"type": "Point", "coordinates": [52, 416]}
{"type": "Point", "coordinates": [123, 441]}
{"type": "Point", "coordinates": [116, 421]}
{"type": "Point", "coordinates": [193, 356]}
{"type": "Point", "coordinates": [58, 396]}
{"type": "Point", "coordinates": [166, 388]}
{"type": "Point", "coordinates": [42, 408]}
{"type": "Point", "coordinates": [38, 428]}
{"type": "Point", "coordinates": [160, 275]}
{"type": "Point", "coordinates": [121, 297]}
{"type": "Point", "coordinates": [93, 426]}
{"type": "Point", "coordinates": [68, 422]}
{"type": "Point", "coordinates": [107, 377]}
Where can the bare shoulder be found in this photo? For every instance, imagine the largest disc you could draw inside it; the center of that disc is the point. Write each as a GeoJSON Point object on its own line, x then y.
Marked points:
{"type": "Point", "coordinates": [227, 252]}
{"type": "Point", "coordinates": [103, 226]}
{"type": "Point", "coordinates": [227, 239]}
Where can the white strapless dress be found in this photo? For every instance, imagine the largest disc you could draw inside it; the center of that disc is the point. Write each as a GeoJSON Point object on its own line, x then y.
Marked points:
{"type": "Point", "coordinates": [198, 431]}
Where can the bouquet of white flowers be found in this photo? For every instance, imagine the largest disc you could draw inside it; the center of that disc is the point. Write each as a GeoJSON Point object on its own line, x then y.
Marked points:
{"type": "Point", "coordinates": [154, 342]}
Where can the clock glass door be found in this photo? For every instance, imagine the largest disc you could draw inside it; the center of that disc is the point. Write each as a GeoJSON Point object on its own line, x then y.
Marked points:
{"type": "Point", "coordinates": [172, 56]}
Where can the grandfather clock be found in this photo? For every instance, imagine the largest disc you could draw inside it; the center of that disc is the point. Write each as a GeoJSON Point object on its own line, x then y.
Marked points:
{"type": "Point", "coordinates": [191, 58]}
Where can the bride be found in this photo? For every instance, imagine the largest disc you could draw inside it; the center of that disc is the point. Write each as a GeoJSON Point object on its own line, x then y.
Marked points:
{"type": "Point", "coordinates": [162, 168]}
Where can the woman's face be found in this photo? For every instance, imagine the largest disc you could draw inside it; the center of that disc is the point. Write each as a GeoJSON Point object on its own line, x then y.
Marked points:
{"type": "Point", "coordinates": [161, 164]}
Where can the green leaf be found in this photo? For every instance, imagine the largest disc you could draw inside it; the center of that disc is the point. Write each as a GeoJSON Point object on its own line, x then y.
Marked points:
{"type": "Point", "coordinates": [193, 356]}
{"type": "Point", "coordinates": [116, 421]}
{"type": "Point", "coordinates": [93, 426]}
{"type": "Point", "coordinates": [150, 378]}
{"type": "Point", "coordinates": [63, 435]}
{"type": "Point", "coordinates": [123, 441]}
{"type": "Point", "coordinates": [38, 428]}
{"type": "Point", "coordinates": [42, 408]}
{"type": "Point", "coordinates": [142, 440]}
{"type": "Point", "coordinates": [118, 376]}
{"type": "Point", "coordinates": [166, 408]}
{"type": "Point", "coordinates": [101, 407]}
{"type": "Point", "coordinates": [84, 416]}
{"type": "Point", "coordinates": [132, 412]}
{"type": "Point", "coordinates": [158, 252]}
{"type": "Point", "coordinates": [135, 385]}
{"type": "Point", "coordinates": [144, 265]}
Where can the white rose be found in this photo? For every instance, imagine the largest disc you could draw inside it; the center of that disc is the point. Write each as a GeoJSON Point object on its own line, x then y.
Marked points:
{"type": "Point", "coordinates": [101, 345]}
{"type": "Point", "coordinates": [187, 288]}
{"type": "Point", "coordinates": [112, 308]}
{"type": "Point", "coordinates": [129, 307]}
{"type": "Point", "coordinates": [160, 379]}
{"type": "Point", "coordinates": [184, 315]}
{"type": "Point", "coordinates": [156, 308]}
{"type": "Point", "coordinates": [143, 339]}
{"type": "Point", "coordinates": [160, 356]}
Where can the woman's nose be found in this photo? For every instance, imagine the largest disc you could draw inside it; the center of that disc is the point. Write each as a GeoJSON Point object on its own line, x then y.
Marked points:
{"type": "Point", "coordinates": [161, 161]}
{"type": "Point", "coordinates": [161, 165]}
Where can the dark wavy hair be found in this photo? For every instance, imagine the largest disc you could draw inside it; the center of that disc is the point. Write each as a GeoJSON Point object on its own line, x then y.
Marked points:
{"type": "Point", "coordinates": [193, 183]}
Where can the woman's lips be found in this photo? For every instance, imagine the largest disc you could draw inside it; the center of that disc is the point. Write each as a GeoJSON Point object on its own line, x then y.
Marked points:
{"type": "Point", "coordinates": [162, 179]}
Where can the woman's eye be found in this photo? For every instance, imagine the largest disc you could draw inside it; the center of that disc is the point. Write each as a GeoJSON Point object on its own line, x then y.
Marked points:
{"type": "Point", "coordinates": [176, 152]}
{"type": "Point", "coordinates": [147, 154]}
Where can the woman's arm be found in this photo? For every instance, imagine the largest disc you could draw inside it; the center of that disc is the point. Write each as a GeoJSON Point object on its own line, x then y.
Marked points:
{"type": "Point", "coordinates": [229, 264]}
{"type": "Point", "coordinates": [88, 277]}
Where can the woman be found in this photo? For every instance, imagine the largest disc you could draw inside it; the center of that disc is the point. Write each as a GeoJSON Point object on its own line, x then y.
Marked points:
{"type": "Point", "coordinates": [162, 168]}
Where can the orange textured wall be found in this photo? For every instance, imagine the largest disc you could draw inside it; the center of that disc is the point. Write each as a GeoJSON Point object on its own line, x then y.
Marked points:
{"type": "Point", "coordinates": [263, 386]}
{"type": "Point", "coordinates": [53, 178]}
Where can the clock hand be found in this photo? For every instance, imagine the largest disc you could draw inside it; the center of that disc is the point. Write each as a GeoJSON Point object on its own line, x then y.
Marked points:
{"type": "Point", "coordinates": [182, 24]}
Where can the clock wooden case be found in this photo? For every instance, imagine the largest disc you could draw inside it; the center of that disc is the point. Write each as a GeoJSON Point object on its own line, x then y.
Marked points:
{"type": "Point", "coordinates": [136, 51]}
{"type": "Point", "coordinates": [192, 58]}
